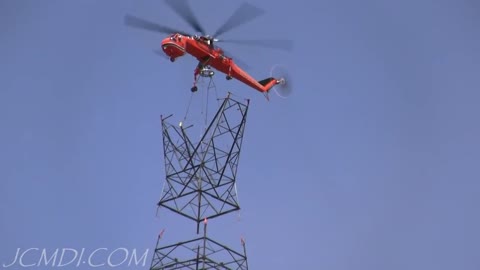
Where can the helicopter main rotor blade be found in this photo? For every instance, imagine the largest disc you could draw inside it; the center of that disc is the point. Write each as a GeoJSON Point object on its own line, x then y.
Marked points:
{"type": "Point", "coordinates": [281, 44]}
{"type": "Point", "coordinates": [245, 13]}
{"type": "Point", "coordinates": [182, 8]}
{"type": "Point", "coordinates": [236, 60]}
{"type": "Point", "coordinates": [161, 54]}
{"type": "Point", "coordinates": [136, 22]}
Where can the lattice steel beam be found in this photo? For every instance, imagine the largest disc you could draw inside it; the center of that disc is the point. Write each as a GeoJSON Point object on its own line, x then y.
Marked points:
{"type": "Point", "coordinates": [201, 177]}
{"type": "Point", "coordinates": [199, 253]}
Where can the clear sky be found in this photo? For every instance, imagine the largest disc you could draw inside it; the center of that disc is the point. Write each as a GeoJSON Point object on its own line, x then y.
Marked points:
{"type": "Point", "coordinates": [371, 163]}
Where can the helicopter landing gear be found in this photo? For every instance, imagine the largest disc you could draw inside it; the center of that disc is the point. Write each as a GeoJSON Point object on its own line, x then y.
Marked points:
{"type": "Point", "coordinates": [229, 76]}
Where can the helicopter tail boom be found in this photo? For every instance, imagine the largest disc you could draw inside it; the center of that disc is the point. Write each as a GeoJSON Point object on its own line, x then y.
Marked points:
{"type": "Point", "coordinates": [268, 83]}
{"type": "Point", "coordinates": [265, 82]}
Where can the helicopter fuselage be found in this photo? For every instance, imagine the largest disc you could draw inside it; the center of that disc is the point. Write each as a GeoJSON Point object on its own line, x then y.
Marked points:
{"type": "Point", "coordinates": [177, 45]}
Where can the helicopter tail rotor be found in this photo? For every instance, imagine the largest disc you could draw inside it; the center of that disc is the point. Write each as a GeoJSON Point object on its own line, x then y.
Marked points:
{"type": "Point", "coordinates": [283, 88]}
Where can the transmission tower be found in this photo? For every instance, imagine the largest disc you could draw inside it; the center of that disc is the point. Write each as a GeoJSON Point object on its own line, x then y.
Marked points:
{"type": "Point", "coordinates": [200, 185]}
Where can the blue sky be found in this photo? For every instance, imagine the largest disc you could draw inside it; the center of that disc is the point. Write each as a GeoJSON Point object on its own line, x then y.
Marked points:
{"type": "Point", "coordinates": [371, 163]}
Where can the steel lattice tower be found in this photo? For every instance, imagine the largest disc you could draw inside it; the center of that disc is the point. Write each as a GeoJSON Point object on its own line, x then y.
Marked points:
{"type": "Point", "coordinates": [201, 185]}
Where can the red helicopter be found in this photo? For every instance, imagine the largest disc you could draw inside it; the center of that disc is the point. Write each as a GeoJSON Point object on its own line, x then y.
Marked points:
{"type": "Point", "coordinates": [202, 47]}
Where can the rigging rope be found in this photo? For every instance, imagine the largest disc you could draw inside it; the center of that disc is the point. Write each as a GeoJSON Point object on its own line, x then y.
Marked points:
{"type": "Point", "coordinates": [188, 107]}
{"type": "Point", "coordinates": [203, 100]}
